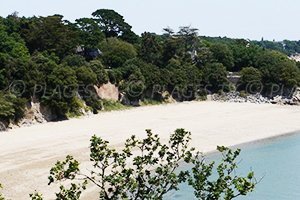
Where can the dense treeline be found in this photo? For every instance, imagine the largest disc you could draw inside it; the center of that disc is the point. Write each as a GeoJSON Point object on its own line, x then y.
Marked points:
{"type": "Point", "coordinates": [58, 63]}
{"type": "Point", "coordinates": [287, 47]}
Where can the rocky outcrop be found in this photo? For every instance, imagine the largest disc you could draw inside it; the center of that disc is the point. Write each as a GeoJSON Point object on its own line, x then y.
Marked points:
{"type": "Point", "coordinates": [126, 101]}
{"type": "Point", "coordinates": [167, 97]}
{"type": "Point", "coordinates": [36, 114]}
{"type": "Point", "coordinates": [296, 96]}
{"type": "Point", "coordinates": [108, 91]}
{"type": "Point", "coordinates": [236, 97]}
{"type": "Point", "coordinates": [293, 100]}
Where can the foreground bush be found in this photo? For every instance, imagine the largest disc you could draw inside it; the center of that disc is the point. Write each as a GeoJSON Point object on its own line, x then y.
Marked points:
{"type": "Point", "coordinates": [12, 108]}
{"type": "Point", "coordinates": [148, 169]}
{"type": "Point", "coordinates": [1, 197]}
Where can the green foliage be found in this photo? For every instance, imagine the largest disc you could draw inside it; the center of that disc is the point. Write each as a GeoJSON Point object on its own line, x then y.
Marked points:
{"type": "Point", "coordinates": [36, 196]}
{"type": "Point", "coordinates": [150, 102]}
{"type": "Point", "coordinates": [189, 41]}
{"type": "Point", "coordinates": [251, 80]}
{"type": "Point", "coordinates": [150, 72]}
{"type": "Point", "coordinates": [1, 196]}
{"type": "Point", "coordinates": [182, 45]}
{"type": "Point", "coordinates": [90, 33]}
{"type": "Point", "coordinates": [184, 80]}
{"type": "Point", "coordinates": [151, 171]}
{"type": "Point", "coordinates": [12, 45]}
{"type": "Point", "coordinates": [150, 50]}
{"type": "Point", "coordinates": [113, 24]}
{"type": "Point", "coordinates": [38, 61]}
{"type": "Point", "coordinates": [222, 54]}
{"type": "Point", "coordinates": [279, 71]}
{"type": "Point", "coordinates": [120, 180]}
{"type": "Point", "coordinates": [11, 108]}
{"type": "Point", "coordinates": [244, 54]}
{"type": "Point", "coordinates": [74, 61]}
{"type": "Point", "coordinates": [50, 34]}
{"type": "Point", "coordinates": [287, 47]}
{"type": "Point", "coordinates": [62, 88]}
{"type": "Point", "coordinates": [6, 109]}
{"type": "Point", "coordinates": [67, 169]}
{"type": "Point", "coordinates": [86, 76]}
{"type": "Point", "coordinates": [116, 52]}
{"type": "Point", "coordinates": [215, 77]}
{"type": "Point", "coordinates": [101, 73]}
{"type": "Point", "coordinates": [110, 105]}
{"type": "Point", "coordinates": [226, 185]}
{"type": "Point", "coordinates": [134, 82]}
{"type": "Point", "coordinates": [115, 76]}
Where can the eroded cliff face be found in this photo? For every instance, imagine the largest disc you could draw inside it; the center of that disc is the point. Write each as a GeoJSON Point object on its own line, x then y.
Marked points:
{"type": "Point", "coordinates": [108, 91]}
{"type": "Point", "coordinates": [36, 114]}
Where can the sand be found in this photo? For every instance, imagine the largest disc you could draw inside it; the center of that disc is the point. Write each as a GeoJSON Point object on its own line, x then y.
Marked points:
{"type": "Point", "coordinates": [27, 154]}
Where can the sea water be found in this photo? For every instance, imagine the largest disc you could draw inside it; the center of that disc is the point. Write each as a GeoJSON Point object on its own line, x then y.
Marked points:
{"type": "Point", "coordinates": [276, 163]}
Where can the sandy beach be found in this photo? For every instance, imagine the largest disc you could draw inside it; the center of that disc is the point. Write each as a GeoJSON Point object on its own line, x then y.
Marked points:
{"type": "Point", "coordinates": [27, 154]}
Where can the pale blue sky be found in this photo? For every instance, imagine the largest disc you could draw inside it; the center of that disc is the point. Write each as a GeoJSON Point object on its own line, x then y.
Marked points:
{"type": "Point", "coordinates": [253, 19]}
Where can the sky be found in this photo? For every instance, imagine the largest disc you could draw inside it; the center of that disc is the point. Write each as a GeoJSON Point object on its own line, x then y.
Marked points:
{"type": "Point", "coordinates": [248, 19]}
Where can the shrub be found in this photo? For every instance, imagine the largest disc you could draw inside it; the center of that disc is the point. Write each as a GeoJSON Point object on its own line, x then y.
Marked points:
{"type": "Point", "coordinates": [251, 80]}
{"type": "Point", "coordinates": [12, 108]}
{"type": "Point", "coordinates": [215, 77]}
{"type": "Point", "coordinates": [116, 52]}
{"type": "Point", "coordinates": [152, 171]}
{"type": "Point", "coordinates": [110, 105]}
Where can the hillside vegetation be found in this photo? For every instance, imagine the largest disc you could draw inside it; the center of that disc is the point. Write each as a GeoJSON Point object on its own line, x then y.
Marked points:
{"type": "Point", "coordinates": [58, 63]}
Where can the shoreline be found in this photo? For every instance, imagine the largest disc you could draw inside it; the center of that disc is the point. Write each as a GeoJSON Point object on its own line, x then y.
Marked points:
{"type": "Point", "coordinates": [257, 142]}
{"type": "Point", "coordinates": [31, 151]}
{"type": "Point", "coordinates": [13, 127]}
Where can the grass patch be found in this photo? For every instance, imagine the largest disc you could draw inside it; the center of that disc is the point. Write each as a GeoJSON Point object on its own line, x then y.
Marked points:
{"type": "Point", "coordinates": [110, 105]}
{"type": "Point", "coordinates": [150, 102]}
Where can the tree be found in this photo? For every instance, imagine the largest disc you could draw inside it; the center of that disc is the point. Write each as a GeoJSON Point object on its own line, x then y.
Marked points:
{"type": "Point", "coordinates": [12, 45]}
{"type": "Point", "coordinates": [171, 50]}
{"type": "Point", "coordinates": [50, 34]}
{"type": "Point", "coordinates": [6, 108]}
{"type": "Point", "coordinates": [150, 50]}
{"type": "Point", "coordinates": [215, 77]}
{"type": "Point", "coordinates": [74, 61]}
{"type": "Point", "coordinates": [150, 72]}
{"type": "Point", "coordinates": [98, 69]}
{"type": "Point", "coordinates": [89, 32]}
{"type": "Point", "coordinates": [12, 108]}
{"type": "Point", "coordinates": [222, 54]}
{"type": "Point", "coordinates": [151, 171]}
{"type": "Point", "coordinates": [189, 38]}
{"type": "Point", "coordinates": [61, 91]}
{"type": "Point", "coordinates": [204, 57]}
{"type": "Point", "coordinates": [86, 76]}
{"type": "Point", "coordinates": [225, 185]}
{"type": "Point", "coordinates": [184, 80]}
{"type": "Point", "coordinates": [116, 52]}
{"type": "Point", "coordinates": [133, 84]}
{"type": "Point", "coordinates": [278, 72]}
{"type": "Point", "coordinates": [113, 24]}
{"type": "Point", "coordinates": [251, 80]}
{"type": "Point", "coordinates": [245, 54]}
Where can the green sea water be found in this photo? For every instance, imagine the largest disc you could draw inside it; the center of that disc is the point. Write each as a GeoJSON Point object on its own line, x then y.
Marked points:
{"type": "Point", "coordinates": [276, 161]}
